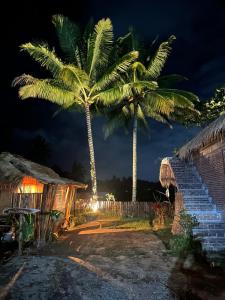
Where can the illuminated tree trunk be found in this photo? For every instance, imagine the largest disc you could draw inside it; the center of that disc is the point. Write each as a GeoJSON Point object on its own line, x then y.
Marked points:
{"type": "Point", "coordinates": [91, 153]}
{"type": "Point", "coordinates": [134, 176]}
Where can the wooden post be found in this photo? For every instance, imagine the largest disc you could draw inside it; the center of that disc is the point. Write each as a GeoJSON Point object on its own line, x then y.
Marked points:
{"type": "Point", "coordinates": [20, 235]}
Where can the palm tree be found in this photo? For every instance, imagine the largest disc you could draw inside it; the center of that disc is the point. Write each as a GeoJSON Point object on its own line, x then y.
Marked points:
{"type": "Point", "coordinates": [149, 97]}
{"type": "Point", "coordinates": [88, 70]}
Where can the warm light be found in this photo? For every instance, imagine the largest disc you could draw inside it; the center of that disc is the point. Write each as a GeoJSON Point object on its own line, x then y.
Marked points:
{"type": "Point", "coordinates": [30, 185]}
{"type": "Point", "coordinates": [94, 206]}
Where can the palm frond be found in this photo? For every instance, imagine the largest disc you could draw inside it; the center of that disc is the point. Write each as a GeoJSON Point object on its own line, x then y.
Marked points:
{"type": "Point", "coordinates": [114, 72]}
{"type": "Point", "coordinates": [143, 85]}
{"type": "Point", "coordinates": [74, 77]}
{"type": "Point", "coordinates": [100, 45]}
{"type": "Point", "coordinates": [45, 57]}
{"type": "Point", "coordinates": [158, 103]}
{"type": "Point", "coordinates": [187, 99]}
{"type": "Point", "coordinates": [159, 59]}
{"type": "Point", "coordinates": [160, 118]}
{"type": "Point", "coordinates": [139, 68]}
{"type": "Point", "coordinates": [69, 36]}
{"type": "Point", "coordinates": [47, 89]}
{"type": "Point", "coordinates": [114, 94]}
{"type": "Point", "coordinates": [23, 80]}
{"type": "Point", "coordinates": [113, 124]}
{"type": "Point", "coordinates": [141, 117]}
{"type": "Point", "coordinates": [89, 28]}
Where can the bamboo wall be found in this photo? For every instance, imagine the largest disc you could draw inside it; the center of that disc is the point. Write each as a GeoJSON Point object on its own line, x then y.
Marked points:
{"type": "Point", "coordinates": [5, 199]}
{"type": "Point", "coordinates": [54, 197]}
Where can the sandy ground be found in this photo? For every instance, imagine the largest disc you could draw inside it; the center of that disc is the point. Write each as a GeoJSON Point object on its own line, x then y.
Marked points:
{"type": "Point", "coordinates": [96, 263]}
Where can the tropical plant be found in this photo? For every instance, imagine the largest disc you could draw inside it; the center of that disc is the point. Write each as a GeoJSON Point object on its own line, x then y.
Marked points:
{"type": "Point", "coordinates": [183, 243]}
{"type": "Point", "coordinates": [85, 76]}
{"type": "Point", "coordinates": [149, 96]}
{"type": "Point", "coordinates": [110, 197]}
{"type": "Point", "coordinates": [210, 109]}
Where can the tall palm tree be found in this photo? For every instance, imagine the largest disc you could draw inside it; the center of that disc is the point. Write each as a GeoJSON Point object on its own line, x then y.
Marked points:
{"type": "Point", "coordinates": [85, 76]}
{"type": "Point", "coordinates": [150, 97]}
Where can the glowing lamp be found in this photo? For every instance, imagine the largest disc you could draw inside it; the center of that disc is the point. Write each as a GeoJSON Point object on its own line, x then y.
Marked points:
{"type": "Point", "coordinates": [94, 206]}
{"type": "Point", "coordinates": [30, 185]}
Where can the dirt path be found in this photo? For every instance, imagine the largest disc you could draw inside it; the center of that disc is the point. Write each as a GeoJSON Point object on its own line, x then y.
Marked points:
{"type": "Point", "coordinates": [95, 262]}
{"type": "Point", "coordinates": [92, 263]}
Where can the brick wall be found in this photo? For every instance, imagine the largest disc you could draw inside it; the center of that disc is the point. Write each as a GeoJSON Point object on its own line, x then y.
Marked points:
{"type": "Point", "coordinates": [210, 162]}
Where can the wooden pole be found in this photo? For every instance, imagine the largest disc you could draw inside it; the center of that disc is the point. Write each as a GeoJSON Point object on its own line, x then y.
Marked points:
{"type": "Point", "coordinates": [20, 235]}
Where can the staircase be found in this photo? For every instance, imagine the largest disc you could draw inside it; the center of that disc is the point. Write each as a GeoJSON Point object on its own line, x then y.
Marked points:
{"type": "Point", "coordinates": [197, 202]}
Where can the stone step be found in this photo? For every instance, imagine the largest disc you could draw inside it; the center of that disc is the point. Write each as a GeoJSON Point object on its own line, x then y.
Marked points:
{"type": "Point", "coordinates": [213, 240]}
{"type": "Point", "coordinates": [210, 225]}
{"type": "Point", "coordinates": [184, 186]}
{"type": "Point", "coordinates": [213, 247]}
{"type": "Point", "coordinates": [209, 232]}
{"type": "Point", "coordinates": [198, 197]}
{"type": "Point", "coordinates": [185, 171]}
{"type": "Point", "coordinates": [185, 178]}
{"type": "Point", "coordinates": [194, 192]}
{"type": "Point", "coordinates": [200, 206]}
{"type": "Point", "coordinates": [197, 201]}
{"type": "Point", "coordinates": [206, 216]}
{"type": "Point", "coordinates": [181, 181]}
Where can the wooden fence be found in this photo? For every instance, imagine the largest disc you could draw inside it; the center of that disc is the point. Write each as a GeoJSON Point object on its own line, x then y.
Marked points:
{"type": "Point", "coordinates": [116, 208]}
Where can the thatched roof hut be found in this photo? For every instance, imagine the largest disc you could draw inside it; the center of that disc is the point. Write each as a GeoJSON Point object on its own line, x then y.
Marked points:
{"type": "Point", "coordinates": [13, 168]}
{"type": "Point", "coordinates": [215, 131]}
{"type": "Point", "coordinates": [25, 184]}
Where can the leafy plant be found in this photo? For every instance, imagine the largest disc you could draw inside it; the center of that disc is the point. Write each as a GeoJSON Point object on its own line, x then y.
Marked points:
{"type": "Point", "coordinates": [28, 228]}
{"type": "Point", "coordinates": [183, 243]}
{"type": "Point", "coordinates": [187, 222]}
{"type": "Point", "coordinates": [55, 214]}
{"type": "Point", "coordinates": [110, 197]}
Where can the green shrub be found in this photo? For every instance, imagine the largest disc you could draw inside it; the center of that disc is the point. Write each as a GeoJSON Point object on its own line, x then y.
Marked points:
{"type": "Point", "coordinates": [183, 243]}
{"type": "Point", "coordinates": [180, 244]}
{"type": "Point", "coordinates": [187, 222]}
{"type": "Point", "coordinates": [28, 228]}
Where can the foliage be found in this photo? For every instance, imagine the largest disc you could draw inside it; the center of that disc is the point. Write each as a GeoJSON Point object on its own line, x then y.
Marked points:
{"type": "Point", "coordinates": [82, 213]}
{"type": "Point", "coordinates": [28, 227]}
{"type": "Point", "coordinates": [183, 243]}
{"type": "Point", "coordinates": [187, 222]}
{"type": "Point", "coordinates": [180, 244]}
{"type": "Point", "coordinates": [55, 214]}
{"type": "Point", "coordinates": [209, 110]}
{"type": "Point", "coordinates": [110, 197]}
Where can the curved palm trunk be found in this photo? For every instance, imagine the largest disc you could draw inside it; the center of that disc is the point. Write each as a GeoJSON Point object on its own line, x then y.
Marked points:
{"type": "Point", "coordinates": [91, 152]}
{"type": "Point", "coordinates": [134, 177]}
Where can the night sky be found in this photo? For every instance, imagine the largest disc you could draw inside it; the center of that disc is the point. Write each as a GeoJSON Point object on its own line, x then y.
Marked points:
{"type": "Point", "coordinates": [198, 53]}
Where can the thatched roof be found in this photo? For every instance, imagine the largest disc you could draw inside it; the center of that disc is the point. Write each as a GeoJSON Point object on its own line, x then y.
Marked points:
{"type": "Point", "coordinates": [214, 131]}
{"type": "Point", "coordinates": [14, 167]}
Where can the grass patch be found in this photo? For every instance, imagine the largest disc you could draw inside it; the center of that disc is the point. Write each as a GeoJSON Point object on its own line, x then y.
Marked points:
{"type": "Point", "coordinates": [131, 223]}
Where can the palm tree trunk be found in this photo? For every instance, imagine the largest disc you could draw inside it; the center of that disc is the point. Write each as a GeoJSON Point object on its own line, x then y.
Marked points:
{"type": "Point", "coordinates": [134, 177]}
{"type": "Point", "coordinates": [91, 152]}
